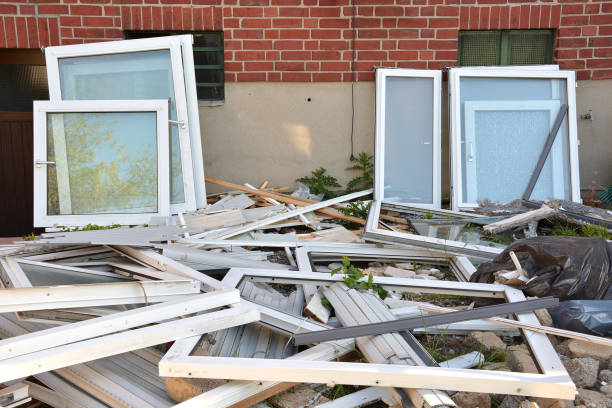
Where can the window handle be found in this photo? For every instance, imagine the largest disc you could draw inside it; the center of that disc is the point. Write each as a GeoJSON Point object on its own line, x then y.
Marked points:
{"type": "Point", "coordinates": [39, 163]}
{"type": "Point", "coordinates": [180, 123]}
{"type": "Point", "coordinates": [471, 152]}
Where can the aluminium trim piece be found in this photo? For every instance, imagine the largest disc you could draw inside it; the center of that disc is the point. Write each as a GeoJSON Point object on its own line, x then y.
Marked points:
{"type": "Point", "coordinates": [423, 321]}
{"type": "Point", "coordinates": [179, 81]}
{"type": "Point", "coordinates": [42, 108]}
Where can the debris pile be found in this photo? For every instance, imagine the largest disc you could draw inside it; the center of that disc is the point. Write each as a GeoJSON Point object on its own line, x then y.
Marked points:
{"type": "Point", "coordinates": [144, 291]}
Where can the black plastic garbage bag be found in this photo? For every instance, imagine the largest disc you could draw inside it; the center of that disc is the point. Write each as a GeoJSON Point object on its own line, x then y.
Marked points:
{"type": "Point", "coordinates": [585, 316]}
{"type": "Point", "coordinates": [564, 267]}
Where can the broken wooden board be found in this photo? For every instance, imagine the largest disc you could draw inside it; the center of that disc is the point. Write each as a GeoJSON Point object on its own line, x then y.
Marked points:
{"type": "Point", "coordinates": [207, 222]}
{"type": "Point", "coordinates": [519, 220]}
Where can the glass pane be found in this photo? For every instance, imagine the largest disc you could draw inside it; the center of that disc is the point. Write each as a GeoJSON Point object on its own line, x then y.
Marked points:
{"type": "Point", "coordinates": [503, 133]}
{"type": "Point", "coordinates": [105, 163]}
{"type": "Point", "coordinates": [408, 140]}
{"type": "Point", "coordinates": [530, 47]}
{"type": "Point", "coordinates": [45, 276]}
{"type": "Point", "coordinates": [134, 75]}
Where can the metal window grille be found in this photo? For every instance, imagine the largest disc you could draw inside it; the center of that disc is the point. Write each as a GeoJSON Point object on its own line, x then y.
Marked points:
{"type": "Point", "coordinates": [505, 47]}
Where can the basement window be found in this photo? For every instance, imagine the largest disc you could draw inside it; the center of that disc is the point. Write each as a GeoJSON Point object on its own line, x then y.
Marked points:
{"type": "Point", "coordinates": [505, 47]}
{"type": "Point", "coordinates": [208, 60]}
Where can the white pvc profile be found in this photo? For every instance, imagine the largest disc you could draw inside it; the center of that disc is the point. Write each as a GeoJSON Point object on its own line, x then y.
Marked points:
{"type": "Point", "coordinates": [179, 82]}
{"type": "Point", "coordinates": [195, 136]}
{"type": "Point", "coordinates": [552, 382]}
{"type": "Point", "coordinates": [372, 232]}
{"type": "Point", "coordinates": [394, 143]}
{"type": "Point", "coordinates": [42, 109]}
{"type": "Point", "coordinates": [568, 129]}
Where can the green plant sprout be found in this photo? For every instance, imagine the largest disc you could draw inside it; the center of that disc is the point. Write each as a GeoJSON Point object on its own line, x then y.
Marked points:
{"type": "Point", "coordinates": [353, 278]}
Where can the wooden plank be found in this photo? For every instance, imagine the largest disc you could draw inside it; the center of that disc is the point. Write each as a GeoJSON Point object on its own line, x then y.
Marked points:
{"type": "Point", "coordinates": [519, 220]}
{"type": "Point", "coordinates": [285, 199]}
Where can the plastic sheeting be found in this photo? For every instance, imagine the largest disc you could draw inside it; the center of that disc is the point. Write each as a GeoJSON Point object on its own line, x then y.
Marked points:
{"type": "Point", "coordinates": [586, 316]}
{"type": "Point", "coordinates": [564, 267]}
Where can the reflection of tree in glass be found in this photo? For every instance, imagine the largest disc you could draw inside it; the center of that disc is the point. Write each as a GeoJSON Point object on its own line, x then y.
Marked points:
{"type": "Point", "coordinates": [111, 166]}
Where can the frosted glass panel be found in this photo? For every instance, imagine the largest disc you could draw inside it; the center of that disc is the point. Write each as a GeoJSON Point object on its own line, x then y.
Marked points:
{"type": "Point", "coordinates": [408, 175]}
{"type": "Point", "coordinates": [503, 133]}
{"type": "Point", "coordinates": [104, 163]}
{"type": "Point", "coordinates": [134, 75]}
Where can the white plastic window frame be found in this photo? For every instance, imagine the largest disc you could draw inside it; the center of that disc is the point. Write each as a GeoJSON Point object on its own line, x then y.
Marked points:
{"type": "Point", "coordinates": [42, 108]}
{"type": "Point", "coordinates": [552, 382]}
{"type": "Point", "coordinates": [372, 232]}
{"type": "Point", "coordinates": [454, 79]}
{"type": "Point", "coordinates": [172, 43]}
{"type": "Point", "coordinates": [193, 112]}
{"type": "Point", "coordinates": [436, 160]}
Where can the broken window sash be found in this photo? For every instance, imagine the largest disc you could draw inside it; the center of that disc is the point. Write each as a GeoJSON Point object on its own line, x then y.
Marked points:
{"type": "Point", "coordinates": [408, 144]}
{"type": "Point", "coordinates": [497, 137]}
{"type": "Point", "coordinates": [376, 234]}
{"type": "Point", "coordinates": [100, 162]}
{"type": "Point", "coordinates": [149, 68]}
{"type": "Point", "coordinates": [552, 382]}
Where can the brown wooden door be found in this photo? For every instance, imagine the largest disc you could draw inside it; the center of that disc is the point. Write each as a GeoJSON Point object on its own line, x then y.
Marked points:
{"type": "Point", "coordinates": [16, 174]}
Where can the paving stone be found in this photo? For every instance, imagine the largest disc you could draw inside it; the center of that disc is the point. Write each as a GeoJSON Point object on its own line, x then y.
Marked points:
{"type": "Point", "coordinates": [489, 341]}
{"type": "Point", "coordinates": [592, 399]}
{"type": "Point", "coordinates": [472, 400]}
{"type": "Point", "coordinates": [297, 396]}
{"type": "Point", "coordinates": [519, 358]}
{"type": "Point", "coordinates": [600, 352]}
{"type": "Point", "coordinates": [511, 401]}
{"type": "Point", "coordinates": [606, 390]}
{"type": "Point", "coordinates": [605, 376]}
{"type": "Point", "coordinates": [583, 371]}
{"type": "Point", "coordinates": [399, 273]}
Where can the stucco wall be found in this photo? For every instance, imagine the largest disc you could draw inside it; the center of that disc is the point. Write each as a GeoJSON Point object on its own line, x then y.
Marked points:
{"type": "Point", "coordinates": [272, 131]}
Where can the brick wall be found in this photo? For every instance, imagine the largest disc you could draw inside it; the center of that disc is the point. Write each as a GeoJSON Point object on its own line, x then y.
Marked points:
{"type": "Point", "coordinates": [312, 40]}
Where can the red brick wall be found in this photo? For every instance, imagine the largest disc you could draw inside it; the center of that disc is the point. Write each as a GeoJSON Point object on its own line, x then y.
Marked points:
{"type": "Point", "coordinates": [311, 40]}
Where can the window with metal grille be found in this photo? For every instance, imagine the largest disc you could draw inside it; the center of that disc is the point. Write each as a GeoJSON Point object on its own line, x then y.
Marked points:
{"type": "Point", "coordinates": [207, 57]}
{"type": "Point", "coordinates": [505, 47]}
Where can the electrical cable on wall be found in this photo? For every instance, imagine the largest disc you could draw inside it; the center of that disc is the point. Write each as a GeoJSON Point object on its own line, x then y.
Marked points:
{"type": "Point", "coordinates": [353, 55]}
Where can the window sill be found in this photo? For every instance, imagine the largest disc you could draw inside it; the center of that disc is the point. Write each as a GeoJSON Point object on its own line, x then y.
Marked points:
{"type": "Point", "coordinates": [203, 104]}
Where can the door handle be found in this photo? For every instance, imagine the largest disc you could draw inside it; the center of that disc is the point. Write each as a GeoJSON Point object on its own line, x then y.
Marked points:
{"type": "Point", "coordinates": [41, 162]}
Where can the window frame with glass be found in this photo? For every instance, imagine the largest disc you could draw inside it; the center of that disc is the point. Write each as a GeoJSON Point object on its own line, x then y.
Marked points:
{"type": "Point", "coordinates": [457, 120]}
{"type": "Point", "coordinates": [382, 74]}
{"type": "Point", "coordinates": [42, 218]}
{"type": "Point", "coordinates": [180, 83]}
